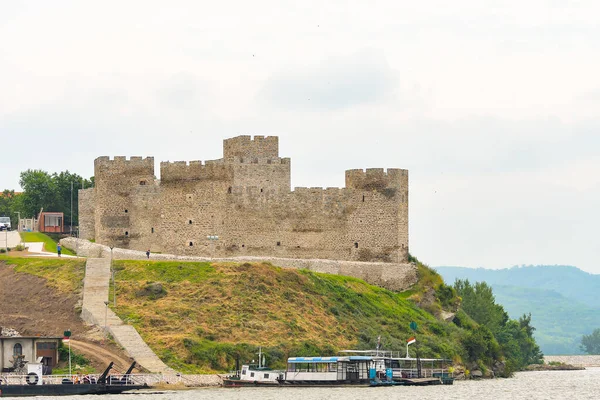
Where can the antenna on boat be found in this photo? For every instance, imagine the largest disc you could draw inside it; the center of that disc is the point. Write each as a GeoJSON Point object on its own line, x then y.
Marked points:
{"type": "Point", "coordinates": [260, 357]}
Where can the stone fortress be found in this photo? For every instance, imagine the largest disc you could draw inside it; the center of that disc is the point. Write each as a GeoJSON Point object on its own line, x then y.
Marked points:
{"type": "Point", "coordinates": [245, 199]}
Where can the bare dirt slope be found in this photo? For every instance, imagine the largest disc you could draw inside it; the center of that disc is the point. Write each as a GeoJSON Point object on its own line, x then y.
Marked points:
{"type": "Point", "coordinates": [28, 305]}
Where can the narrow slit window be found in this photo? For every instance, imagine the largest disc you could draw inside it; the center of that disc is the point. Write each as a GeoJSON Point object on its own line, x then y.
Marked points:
{"type": "Point", "coordinates": [356, 245]}
{"type": "Point", "coordinates": [191, 244]}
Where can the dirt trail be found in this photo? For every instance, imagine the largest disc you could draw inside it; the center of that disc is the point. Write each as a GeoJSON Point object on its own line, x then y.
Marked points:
{"type": "Point", "coordinates": [32, 308]}
{"type": "Point", "coordinates": [101, 355]}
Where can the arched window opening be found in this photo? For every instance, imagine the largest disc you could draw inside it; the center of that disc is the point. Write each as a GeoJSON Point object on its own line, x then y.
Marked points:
{"type": "Point", "coordinates": [17, 349]}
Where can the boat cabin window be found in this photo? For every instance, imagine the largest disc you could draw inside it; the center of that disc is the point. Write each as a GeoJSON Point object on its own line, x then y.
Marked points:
{"type": "Point", "coordinates": [266, 376]}
{"type": "Point", "coordinates": [251, 374]}
{"type": "Point", "coordinates": [243, 372]}
{"type": "Point", "coordinates": [312, 367]}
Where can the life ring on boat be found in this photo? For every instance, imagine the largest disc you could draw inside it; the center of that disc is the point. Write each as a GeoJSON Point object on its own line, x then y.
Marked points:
{"type": "Point", "coordinates": [32, 378]}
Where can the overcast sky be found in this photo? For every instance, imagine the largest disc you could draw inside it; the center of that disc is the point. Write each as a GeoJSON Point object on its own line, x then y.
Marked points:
{"type": "Point", "coordinates": [494, 107]}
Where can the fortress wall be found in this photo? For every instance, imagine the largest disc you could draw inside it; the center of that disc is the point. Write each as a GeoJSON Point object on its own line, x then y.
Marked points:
{"type": "Point", "coordinates": [244, 199]}
{"type": "Point", "coordinates": [296, 224]}
{"type": "Point", "coordinates": [392, 276]}
{"type": "Point", "coordinates": [144, 215]}
{"type": "Point", "coordinates": [264, 173]}
{"type": "Point", "coordinates": [375, 178]}
{"type": "Point", "coordinates": [313, 222]}
{"type": "Point", "coordinates": [115, 181]}
{"type": "Point", "coordinates": [195, 170]}
{"type": "Point", "coordinates": [189, 212]}
{"type": "Point", "coordinates": [246, 146]}
{"type": "Point", "coordinates": [87, 204]}
{"type": "Point", "coordinates": [379, 227]}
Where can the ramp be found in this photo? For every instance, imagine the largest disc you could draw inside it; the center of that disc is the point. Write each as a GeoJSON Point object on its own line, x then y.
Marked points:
{"type": "Point", "coordinates": [95, 311]}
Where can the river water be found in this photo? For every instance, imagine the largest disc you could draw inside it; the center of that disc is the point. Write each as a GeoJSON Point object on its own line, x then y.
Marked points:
{"type": "Point", "coordinates": [525, 385]}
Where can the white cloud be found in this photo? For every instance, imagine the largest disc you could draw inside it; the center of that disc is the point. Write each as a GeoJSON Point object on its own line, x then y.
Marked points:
{"type": "Point", "coordinates": [491, 106]}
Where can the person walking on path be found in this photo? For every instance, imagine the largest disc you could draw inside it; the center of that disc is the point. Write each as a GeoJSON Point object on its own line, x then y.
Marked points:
{"type": "Point", "coordinates": [148, 253]}
{"type": "Point", "coordinates": [58, 249]}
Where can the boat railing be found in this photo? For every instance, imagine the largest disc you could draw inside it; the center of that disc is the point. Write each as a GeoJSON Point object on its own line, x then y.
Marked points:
{"type": "Point", "coordinates": [425, 372]}
{"type": "Point", "coordinates": [113, 379]}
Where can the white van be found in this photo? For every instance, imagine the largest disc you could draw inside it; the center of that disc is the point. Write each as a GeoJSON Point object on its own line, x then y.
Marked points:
{"type": "Point", "coordinates": [4, 223]}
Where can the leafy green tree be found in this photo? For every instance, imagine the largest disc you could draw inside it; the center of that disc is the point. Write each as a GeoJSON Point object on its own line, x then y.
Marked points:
{"type": "Point", "coordinates": [56, 192]}
{"type": "Point", "coordinates": [67, 192]}
{"type": "Point", "coordinates": [591, 343]}
{"type": "Point", "coordinates": [7, 206]}
{"type": "Point", "coordinates": [502, 336]}
{"type": "Point", "coordinates": [39, 191]}
{"type": "Point", "coordinates": [480, 304]}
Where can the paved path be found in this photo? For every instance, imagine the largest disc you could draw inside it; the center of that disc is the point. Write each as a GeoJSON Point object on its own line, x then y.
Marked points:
{"type": "Point", "coordinates": [96, 311]}
{"type": "Point", "coordinates": [36, 249]}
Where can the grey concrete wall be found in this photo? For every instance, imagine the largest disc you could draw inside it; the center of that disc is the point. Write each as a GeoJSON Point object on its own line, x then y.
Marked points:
{"type": "Point", "coordinates": [391, 276]}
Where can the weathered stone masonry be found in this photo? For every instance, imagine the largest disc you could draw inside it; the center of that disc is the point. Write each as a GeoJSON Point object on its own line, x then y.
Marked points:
{"type": "Point", "coordinates": [245, 199]}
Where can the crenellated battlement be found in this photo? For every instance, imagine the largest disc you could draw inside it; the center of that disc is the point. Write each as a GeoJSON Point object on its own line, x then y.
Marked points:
{"type": "Point", "coordinates": [258, 160]}
{"type": "Point", "coordinates": [246, 146]}
{"type": "Point", "coordinates": [376, 178]}
{"type": "Point", "coordinates": [195, 170]}
{"type": "Point", "coordinates": [121, 165]}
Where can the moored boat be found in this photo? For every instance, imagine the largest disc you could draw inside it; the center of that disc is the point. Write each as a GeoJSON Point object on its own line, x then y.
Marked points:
{"type": "Point", "coordinates": [254, 375]}
{"type": "Point", "coordinates": [370, 368]}
{"type": "Point", "coordinates": [35, 384]}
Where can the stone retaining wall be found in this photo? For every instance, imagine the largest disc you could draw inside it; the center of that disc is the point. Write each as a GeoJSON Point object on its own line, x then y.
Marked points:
{"type": "Point", "coordinates": [391, 276]}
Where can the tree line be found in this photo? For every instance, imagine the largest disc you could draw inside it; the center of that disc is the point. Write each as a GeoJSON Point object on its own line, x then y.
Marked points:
{"type": "Point", "coordinates": [497, 335]}
{"type": "Point", "coordinates": [42, 190]}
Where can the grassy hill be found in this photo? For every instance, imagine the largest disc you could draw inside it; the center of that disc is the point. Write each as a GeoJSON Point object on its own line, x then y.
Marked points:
{"type": "Point", "coordinates": [202, 316]}
{"type": "Point", "coordinates": [561, 312]}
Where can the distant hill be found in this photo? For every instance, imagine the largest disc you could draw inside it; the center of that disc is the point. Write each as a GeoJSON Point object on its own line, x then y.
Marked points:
{"type": "Point", "coordinates": [563, 300]}
{"type": "Point", "coordinates": [571, 282]}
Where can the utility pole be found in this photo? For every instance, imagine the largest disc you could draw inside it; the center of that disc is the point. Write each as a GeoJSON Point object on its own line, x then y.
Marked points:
{"type": "Point", "coordinates": [112, 274]}
{"type": "Point", "coordinates": [105, 318]}
{"type": "Point", "coordinates": [71, 229]}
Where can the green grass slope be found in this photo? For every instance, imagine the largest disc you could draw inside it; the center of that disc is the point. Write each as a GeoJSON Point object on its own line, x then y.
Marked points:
{"type": "Point", "coordinates": [49, 243]}
{"type": "Point", "coordinates": [199, 317]}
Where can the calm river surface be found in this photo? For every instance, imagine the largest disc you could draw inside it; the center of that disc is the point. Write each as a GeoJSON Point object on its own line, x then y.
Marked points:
{"type": "Point", "coordinates": [525, 385]}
